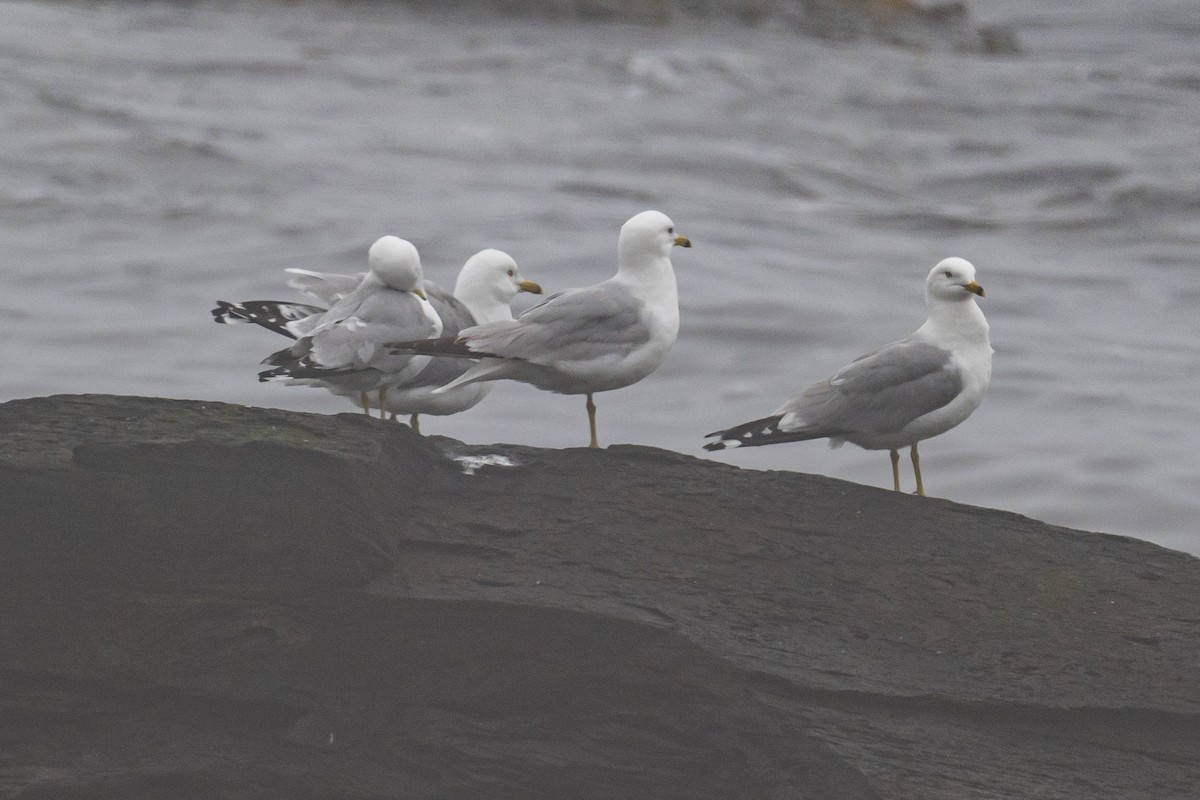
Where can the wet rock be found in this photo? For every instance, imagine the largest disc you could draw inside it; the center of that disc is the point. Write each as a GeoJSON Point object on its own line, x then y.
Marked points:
{"type": "Point", "coordinates": [204, 600]}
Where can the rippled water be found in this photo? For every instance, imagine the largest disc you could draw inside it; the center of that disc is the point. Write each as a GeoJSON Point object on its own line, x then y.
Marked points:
{"type": "Point", "coordinates": [158, 157]}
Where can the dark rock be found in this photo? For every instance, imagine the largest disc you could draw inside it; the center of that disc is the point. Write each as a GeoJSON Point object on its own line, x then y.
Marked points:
{"type": "Point", "coordinates": [203, 600]}
{"type": "Point", "coordinates": [908, 23]}
{"type": "Point", "coordinates": [938, 25]}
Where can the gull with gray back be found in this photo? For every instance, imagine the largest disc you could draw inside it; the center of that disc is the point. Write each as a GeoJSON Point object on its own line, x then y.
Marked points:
{"type": "Point", "coordinates": [902, 393]}
{"type": "Point", "coordinates": [588, 340]}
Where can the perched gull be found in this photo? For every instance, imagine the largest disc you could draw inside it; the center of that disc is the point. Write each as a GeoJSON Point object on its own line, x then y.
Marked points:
{"type": "Point", "coordinates": [483, 294]}
{"type": "Point", "coordinates": [344, 347]}
{"type": "Point", "coordinates": [583, 341]}
{"type": "Point", "coordinates": [899, 394]}
{"type": "Point", "coordinates": [486, 285]}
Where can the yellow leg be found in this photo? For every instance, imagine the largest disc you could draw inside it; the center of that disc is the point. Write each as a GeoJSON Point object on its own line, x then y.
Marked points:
{"type": "Point", "coordinates": [382, 402]}
{"type": "Point", "coordinates": [917, 469]}
{"type": "Point", "coordinates": [896, 469]}
{"type": "Point", "coordinates": [591, 408]}
{"type": "Point", "coordinates": [366, 403]}
{"type": "Point", "coordinates": [414, 423]}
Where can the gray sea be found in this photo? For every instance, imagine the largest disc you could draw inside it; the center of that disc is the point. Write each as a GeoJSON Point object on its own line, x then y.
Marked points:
{"type": "Point", "coordinates": [159, 156]}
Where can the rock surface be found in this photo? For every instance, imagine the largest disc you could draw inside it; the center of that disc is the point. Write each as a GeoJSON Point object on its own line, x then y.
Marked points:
{"type": "Point", "coordinates": [200, 600]}
{"type": "Point", "coordinates": [936, 25]}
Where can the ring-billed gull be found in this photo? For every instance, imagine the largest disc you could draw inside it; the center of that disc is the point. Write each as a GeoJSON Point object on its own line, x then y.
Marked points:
{"type": "Point", "coordinates": [583, 341]}
{"type": "Point", "coordinates": [486, 286]}
{"type": "Point", "coordinates": [344, 347]}
{"type": "Point", "coordinates": [483, 293]}
{"type": "Point", "coordinates": [899, 394]}
{"type": "Point", "coordinates": [484, 290]}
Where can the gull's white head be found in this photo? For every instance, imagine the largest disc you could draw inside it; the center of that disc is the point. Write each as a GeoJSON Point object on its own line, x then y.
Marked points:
{"type": "Point", "coordinates": [396, 263]}
{"type": "Point", "coordinates": [648, 235]}
{"type": "Point", "coordinates": [491, 276]}
{"type": "Point", "coordinates": [952, 279]}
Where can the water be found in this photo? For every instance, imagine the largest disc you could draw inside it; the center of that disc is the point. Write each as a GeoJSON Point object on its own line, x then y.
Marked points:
{"type": "Point", "coordinates": [159, 157]}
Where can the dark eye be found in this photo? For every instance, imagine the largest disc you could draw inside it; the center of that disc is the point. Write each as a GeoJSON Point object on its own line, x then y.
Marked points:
{"type": "Point", "coordinates": [510, 273]}
{"type": "Point", "coordinates": [670, 230]}
{"type": "Point", "coordinates": [948, 274]}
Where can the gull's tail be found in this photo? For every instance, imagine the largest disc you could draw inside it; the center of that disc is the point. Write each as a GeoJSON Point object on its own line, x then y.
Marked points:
{"type": "Point", "coordinates": [760, 432]}
{"type": "Point", "coordinates": [274, 315]}
{"type": "Point", "coordinates": [296, 362]}
{"type": "Point", "coordinates": [304, 369]}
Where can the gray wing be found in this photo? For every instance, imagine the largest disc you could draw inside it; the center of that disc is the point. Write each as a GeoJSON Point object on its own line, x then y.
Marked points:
{"type": "Point", "coordinates": [355, 329]}
{"type": "Point", "coordinates": [878, 393]}
{"type": "Point", "coordinates": [574, 325]}
{"type": "Point", "coordinates": [327, 287]}
{"type": "Point", "coordinates": [455, 316]}
{"type": "Point", "coordinates": [439, 372]}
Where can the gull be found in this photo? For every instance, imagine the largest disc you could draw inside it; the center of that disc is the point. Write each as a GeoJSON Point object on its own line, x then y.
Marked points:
{"type": "Point", "coordinates": [344, 348]}
{"type": "Point", "coordinates": [588, 340]}
{"type": "Point", "coordinates": [483, 293]}
{"type": "Point", "coordinates": [900, 394]}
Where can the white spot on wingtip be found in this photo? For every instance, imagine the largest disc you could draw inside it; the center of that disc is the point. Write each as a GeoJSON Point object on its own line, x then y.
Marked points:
{"type": "Point", "coordinates": [471, 464]}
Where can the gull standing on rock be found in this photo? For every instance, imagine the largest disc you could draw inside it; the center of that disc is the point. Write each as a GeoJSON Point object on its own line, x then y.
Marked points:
{"type": "Point", "coordinates": [486, 285]}
{"type": "Point", "coordinates": [900, 394]}
{"type": "Point", "coordinates": [344, 347]}
{"type": "Point", "coordinates": [583, 341]}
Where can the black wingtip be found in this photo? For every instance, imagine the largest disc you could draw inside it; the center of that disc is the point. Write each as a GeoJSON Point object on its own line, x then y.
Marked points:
{"type": "Point", "coordinates": [711, 446]}
{"type": "Point", "coordinates": [445, 346]}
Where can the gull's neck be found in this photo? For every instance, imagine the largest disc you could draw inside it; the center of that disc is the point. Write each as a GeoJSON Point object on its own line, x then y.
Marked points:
{"type": "Point", "coordinates": [484, 304]}
{"type": "Point", "coordinates": [652, 280]}
{"type": "Point", "coordinates": [404, 282]}
{"type": "Point", "coordinates": [956, 323]}
{"type": "Point", "coordinates": [652, 272]}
